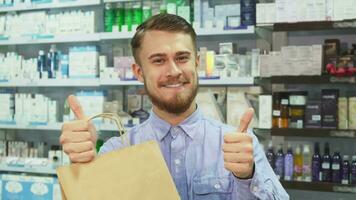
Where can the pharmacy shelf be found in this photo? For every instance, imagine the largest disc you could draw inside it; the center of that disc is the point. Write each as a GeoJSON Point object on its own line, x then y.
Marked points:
{"type": "Point", "coordinates": [241, 81]}
{"type": "Point", "coordinates": [310, 132]}
{"type": "Point", "coordinates": [51, 83]}
{"type": "Point", "coordinates": [324, 79]}
{"type": "Point", "coordinates": [112, 1]}
{"type": "Point", "coordinates": [216, 32]}
{"type": "Point", "coordinates": [39, 6]}
{"type": "Point", "coordinates": [97, 37]}
{"type": "Point", "coordinates": [314, 25]}
{"type": "Point", "coordinates": [319, 186]}
{"type": "Point", "coordinates": [55, 127]}
{"type": "Point", "coordinates": [37, 170]}
{"type": "Point", "coordinates": [69, 38]}
{"type": "Point", "coordinates": [116, 35]}
{"type": "Point", "coordinates": [49, 127]}
{"type": "Point", "coordinates": [200, 32]}
{"type": "Point", "coordinates": [118, 82]}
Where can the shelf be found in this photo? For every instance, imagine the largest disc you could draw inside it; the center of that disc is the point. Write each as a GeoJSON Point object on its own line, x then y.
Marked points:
{"type": "Point", "coordinates": [118, 82]}
{"type": "Point", "coordinates": [112, 1]}
{"type": "Point", "coordinates": [52, 83]}
{"type": "Point", "coordinates": [116, 35]}
{"type": "Point", "coordinates": [215, 31]}
{"type": "Point", "coordinates": [55, 127]}
{"type": "Point", "coordinates": [95, 82]}
{"type": "Point", "coordinates": [38, 6]}
{"type": "Point", "coordinates": [97, 37]}
{"type": "Point", "coordinates": [310, 132]}
{"type": "Point", "coordinates": [312, 26]}
{"type": "Point", "coordinates": [49, 127]}
{"type": "Point", "coordinates": [322, 187]}
{"type": "Point", "coordinates": [240, 81]}
{"type": "Point", "coordinates": [324, 79]}
{"type": "Point", "coordinates": [67, 38]}
{"type": "Point", "coordinates": [37, 170]}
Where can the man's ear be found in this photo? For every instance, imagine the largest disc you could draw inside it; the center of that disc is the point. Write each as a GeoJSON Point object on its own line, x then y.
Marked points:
{"type": "Point", "coordinates": [197, 61]}
{"type": "Point", "coordinates": [137, 70]}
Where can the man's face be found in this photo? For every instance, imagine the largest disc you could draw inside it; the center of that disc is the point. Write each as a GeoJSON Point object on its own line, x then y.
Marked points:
{"type": "Point", "coordinates": [168, 69]}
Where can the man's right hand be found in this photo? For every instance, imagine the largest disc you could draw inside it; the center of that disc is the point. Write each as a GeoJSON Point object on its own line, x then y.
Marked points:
{"type": "Point", "coordinates": [78, 137]}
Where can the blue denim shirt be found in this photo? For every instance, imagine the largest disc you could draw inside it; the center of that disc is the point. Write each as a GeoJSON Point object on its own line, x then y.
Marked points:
{"type": "Point", "coordinates": [194, 156]}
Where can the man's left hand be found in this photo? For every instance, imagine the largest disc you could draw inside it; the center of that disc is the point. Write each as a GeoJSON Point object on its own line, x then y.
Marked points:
{"type": "Point", "coordinates": [238, 149]}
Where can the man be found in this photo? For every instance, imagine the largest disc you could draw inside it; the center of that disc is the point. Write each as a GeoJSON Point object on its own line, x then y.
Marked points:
{"type": "Point", "coordinates": [207, 159]}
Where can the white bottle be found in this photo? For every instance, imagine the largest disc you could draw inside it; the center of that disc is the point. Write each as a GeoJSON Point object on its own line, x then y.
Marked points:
{"type": "Point", "coordinates": [307, 160]}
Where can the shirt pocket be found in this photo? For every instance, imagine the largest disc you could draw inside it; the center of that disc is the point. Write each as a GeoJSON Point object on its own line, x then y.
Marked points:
{"type": "Point", "coordinates": [212, 188]}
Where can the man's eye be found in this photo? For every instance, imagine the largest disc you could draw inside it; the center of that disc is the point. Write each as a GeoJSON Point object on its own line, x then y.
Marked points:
{"type": "Point", "coordinates": [182, 59]}
{"type": "Point", "coordinates": [158, 61]}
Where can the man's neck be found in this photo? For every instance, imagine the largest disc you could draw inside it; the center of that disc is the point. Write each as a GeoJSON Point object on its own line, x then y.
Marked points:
{"type": "Point", "coordinates": [174, 119]}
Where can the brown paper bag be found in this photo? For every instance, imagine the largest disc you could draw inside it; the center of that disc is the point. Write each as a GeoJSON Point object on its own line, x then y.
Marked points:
{"type": "Point", "coordinates": [134, 173]}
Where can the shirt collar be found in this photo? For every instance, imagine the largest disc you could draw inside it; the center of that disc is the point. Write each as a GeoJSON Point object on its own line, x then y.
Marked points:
{"type": "Point", "coordinates": [162, 127]}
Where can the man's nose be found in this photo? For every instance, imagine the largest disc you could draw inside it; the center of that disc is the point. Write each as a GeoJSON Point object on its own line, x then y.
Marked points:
{"type": "Point", "coordinates": [173, 69]}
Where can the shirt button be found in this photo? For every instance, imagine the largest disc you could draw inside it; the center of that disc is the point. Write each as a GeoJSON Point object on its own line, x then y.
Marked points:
{"type": "Point", "coordinates": [217, 186]}
{"type": "Point", "coordinates": [255, 188]}
{"type": "Point", "coordinates": [177, 161]}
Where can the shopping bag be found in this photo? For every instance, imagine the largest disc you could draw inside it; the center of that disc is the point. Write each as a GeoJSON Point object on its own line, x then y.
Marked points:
{"type": "Point", "coordinates": [137, 172]}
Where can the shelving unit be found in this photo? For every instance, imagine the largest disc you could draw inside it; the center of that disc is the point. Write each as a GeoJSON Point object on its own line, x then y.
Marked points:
{"type": "Point", "coordinates": [52, 83]}
{"type": "Point", "coordinates": [309, 132]}
{"type": "Point", "coordinates": [39, 6]}
{"type": "Point", "coordinates": [30, 170]}
{"type": "Point", "coordinates": [319, 186]}
{"type": "Point", "coordinates": [54, 127]}
{"type": "Point", "coordinates": [310, 26]}
{"type": "Point", "coordinates": [96, 82]}
{"type": "Point", "coordinates": [324, 79]}
{"type": "Point", "coordinates": [104, 36]}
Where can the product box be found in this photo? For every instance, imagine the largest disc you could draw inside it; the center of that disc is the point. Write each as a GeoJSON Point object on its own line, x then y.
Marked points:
{"type": "Point", "coordinates": [29, 187]}
{"type": "Point", "coordinates": [352, 113]}
{"type": "Point", "coordinates": [329, 108]}
{"type": "Point", "coordinates": [343, 112]}
{"type": "Point", "coordinates": [265, 112]}
{"type": "Point", "coordinates": [238, 101]}
{"type": "Point", "coordinates": [312, 114]}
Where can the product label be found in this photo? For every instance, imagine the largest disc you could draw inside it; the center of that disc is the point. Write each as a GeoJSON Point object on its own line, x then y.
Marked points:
{"type": "Point", "coordinates": [335, 166]}
{"type": "Point", "coordinates": [325, 166]}
{"type": "Point", "coordinates": [345, 182]}
{"type": "Point", "coordinates": [284, 102]}
{"type": "Point", "coordinates": [298, 169]}
{"type": "Point", "coordinates": [276, 113]}
{"type": "Point", "coordinates": [316, 117]}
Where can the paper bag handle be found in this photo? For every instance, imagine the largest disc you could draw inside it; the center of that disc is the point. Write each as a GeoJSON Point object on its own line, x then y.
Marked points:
{"type": "Point", "coordinates": [118, 122]}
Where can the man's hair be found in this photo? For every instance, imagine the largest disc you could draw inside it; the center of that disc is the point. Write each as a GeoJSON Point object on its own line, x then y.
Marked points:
{"type": "Point", "coordinates": [161, 22]}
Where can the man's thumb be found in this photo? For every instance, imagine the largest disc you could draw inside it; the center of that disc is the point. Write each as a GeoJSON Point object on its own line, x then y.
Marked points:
{"type": "Point", "coordinates": [246, 119]}
{"type": "Point", "coordinates": [75, 107]}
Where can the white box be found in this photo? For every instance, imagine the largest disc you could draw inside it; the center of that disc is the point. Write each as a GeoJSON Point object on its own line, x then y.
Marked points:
{"type": "Point", "coordinates": [265, 112]}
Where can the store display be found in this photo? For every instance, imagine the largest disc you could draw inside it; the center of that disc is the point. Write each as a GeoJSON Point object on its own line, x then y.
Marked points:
{"type": "Point", "coordinates": [303, 60]}
{"type": "Point", "coordinates": [41, 24]}
{"type": "Point", "coordinates": [304, 11]}
{"type": "Point", "coordinates": [45, 44]}
{"type": "Point", "coordinates": [307, 167]}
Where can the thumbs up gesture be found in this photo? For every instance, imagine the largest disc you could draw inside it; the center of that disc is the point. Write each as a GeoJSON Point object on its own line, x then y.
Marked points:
{"type": "Point", "coordinates": [78, 137]}
{"type": "Point", "coordinates": [238, 149]}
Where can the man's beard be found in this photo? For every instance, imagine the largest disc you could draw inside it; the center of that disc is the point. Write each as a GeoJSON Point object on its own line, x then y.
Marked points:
{"type": "Point", "coordinates": [178, 104]}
